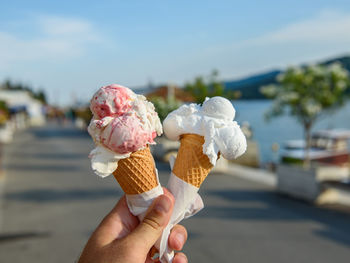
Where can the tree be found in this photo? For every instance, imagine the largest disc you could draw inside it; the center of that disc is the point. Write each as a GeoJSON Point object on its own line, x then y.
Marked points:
{"type": "Point", "coordinates": [4, 112]}
{"type": "Point", "coordinates": [38, 95]}
{"type": "Point", "coordinates": [164, 106]}
{"type": "Point", "coordinates": [200, 88]}
{"type": "Point", "coordinates": [306, 93]}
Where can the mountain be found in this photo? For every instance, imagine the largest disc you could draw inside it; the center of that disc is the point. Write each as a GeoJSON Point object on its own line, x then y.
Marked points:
{"type": "Point", "coordinates": [250, 87]}
{"type": "Point", "coordinates": [345, 61]}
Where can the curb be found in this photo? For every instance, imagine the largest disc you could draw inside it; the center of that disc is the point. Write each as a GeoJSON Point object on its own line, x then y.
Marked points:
{"type": "Point", "coordinates": [253, 174]}
{"type": "Point", "coordinates": [334, 195]}
{"type": "Point", "coordinates": [2, 183]}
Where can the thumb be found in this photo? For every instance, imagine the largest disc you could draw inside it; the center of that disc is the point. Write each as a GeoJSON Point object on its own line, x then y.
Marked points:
{"type": "Point", "coordinates": [151, 227]}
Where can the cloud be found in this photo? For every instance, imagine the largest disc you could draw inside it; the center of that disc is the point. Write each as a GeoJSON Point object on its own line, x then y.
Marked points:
{"type": "Point", "coordinates": [55, 38]}
{"type": "Point", "coordinates": [63, 26]}
{"type": "Point", "coordinates": [328, 26]}
{"type": "Point", "coordinates": [324, 35]}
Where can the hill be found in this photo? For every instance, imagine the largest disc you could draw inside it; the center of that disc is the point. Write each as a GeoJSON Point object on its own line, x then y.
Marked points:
{"type": "Point", "coordinates": [250, 87]}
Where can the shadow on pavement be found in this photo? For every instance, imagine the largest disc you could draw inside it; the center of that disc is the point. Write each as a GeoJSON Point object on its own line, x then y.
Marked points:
{"type": "Point", "coordinates": [268, 205]}
{"type": "Point", "coordinates": [163, 166]}
{"type": "Point", "coordinates": [61, 132]}
{"type": "Point", "coordinates": [53, 195]}
{"type": "Point", "coordinates": [51, 155]}
{"type": "Point", "coordinates": [42, 168]}
{"type": "Point", "coordinates": [8, 237]}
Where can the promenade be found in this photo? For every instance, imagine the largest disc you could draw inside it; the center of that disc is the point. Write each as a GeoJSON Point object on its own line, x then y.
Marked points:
{"type": "Point", "coordinates": [50, 202]}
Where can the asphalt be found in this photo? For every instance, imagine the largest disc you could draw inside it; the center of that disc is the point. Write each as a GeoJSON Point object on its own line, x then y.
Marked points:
{"type": "Point", "coordinates": [51, 202]}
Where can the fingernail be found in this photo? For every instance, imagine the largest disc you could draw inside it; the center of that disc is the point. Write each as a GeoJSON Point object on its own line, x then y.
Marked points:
{"type": "Point", "coordinates": [181, 258]}
{"type": "Point", "coordinates": [180, 240]}
{"type": "Point", "coordinates": [163, 204]}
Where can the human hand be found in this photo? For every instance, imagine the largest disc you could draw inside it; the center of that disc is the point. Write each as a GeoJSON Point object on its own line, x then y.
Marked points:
{"type": "Point", "coordinates": [121, 237]}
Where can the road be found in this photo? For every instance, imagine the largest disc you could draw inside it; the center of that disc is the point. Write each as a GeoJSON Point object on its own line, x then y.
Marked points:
{"type": "Point", "coordinates": [51, 202]}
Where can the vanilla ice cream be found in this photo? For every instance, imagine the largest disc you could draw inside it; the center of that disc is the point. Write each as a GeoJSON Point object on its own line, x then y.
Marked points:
{"type": "Point", "coordinates": [214, 121]}
{"type": "Point", "coordinates": [205, 130]}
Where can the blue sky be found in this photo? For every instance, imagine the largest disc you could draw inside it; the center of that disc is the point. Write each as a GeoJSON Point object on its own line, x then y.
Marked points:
{"type": "Point", "coordinates": [71, 48]}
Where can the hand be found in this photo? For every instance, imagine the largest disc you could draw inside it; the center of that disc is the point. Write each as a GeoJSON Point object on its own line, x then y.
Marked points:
{"type": "Point", "coordinates": [121, 237]}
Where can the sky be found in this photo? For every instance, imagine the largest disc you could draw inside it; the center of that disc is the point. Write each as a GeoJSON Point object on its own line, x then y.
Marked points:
{"type": "Point", "coordinates": [71, 48]}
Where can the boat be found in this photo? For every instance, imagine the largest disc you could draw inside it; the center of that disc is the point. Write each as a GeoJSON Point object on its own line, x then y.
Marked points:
{"type": "Point", "coordinates": [327, 146]}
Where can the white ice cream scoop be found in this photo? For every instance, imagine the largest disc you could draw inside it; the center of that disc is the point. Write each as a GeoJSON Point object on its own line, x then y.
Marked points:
{"type": "Point", "coordinates": [214, 121]}
{"type": "Point", "coordinates": [219, 107]}
{"type": "Point", "coordinates": [234, 144]}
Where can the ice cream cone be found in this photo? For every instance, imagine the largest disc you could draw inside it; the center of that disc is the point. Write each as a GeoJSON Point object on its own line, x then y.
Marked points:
{"type": "Point", "coordinates": [192, 165]}
{"type": "Point", "coordinates": [137, 173]}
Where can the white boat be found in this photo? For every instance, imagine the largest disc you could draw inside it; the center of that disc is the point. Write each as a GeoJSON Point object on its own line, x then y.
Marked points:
{"type": "Point", "coordinates": [327, 146]}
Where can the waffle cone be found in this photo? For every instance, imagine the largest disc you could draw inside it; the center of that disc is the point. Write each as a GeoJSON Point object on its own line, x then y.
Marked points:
{"type": "Point", "coordinates": [137, 173]}
{"type": "Point", "coordinates": [192, 165]}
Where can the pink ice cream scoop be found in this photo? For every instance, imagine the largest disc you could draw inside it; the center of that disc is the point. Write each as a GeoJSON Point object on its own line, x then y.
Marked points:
{"type": "Point", "coordinates": [112, 100]}
{"type": "Point", "coordinates": [125, 134]}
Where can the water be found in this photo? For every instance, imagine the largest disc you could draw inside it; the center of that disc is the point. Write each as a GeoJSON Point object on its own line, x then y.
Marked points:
{"type": "Point", "coordinates": [283, 128]}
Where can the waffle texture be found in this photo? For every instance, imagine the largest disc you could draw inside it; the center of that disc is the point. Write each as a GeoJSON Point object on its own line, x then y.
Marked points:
{"type": "Point", "coordinates": [192, 165]}
{"type": "Point", "coordinates": [137, 174]}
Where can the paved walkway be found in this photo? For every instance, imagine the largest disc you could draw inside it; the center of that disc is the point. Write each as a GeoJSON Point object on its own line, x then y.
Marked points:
{"type": "Point", "coordinates": [52, 202]}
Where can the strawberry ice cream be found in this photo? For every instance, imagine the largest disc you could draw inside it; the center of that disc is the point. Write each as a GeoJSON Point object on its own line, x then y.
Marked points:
{"type": "Point", "coordinates": [124, 134]}
{"type": "Point", "coordinates": [112, 100]}
{"type": "Point", "coordinates": [123, 122]}
{"type": "Point", "coordinates": [122, 127]}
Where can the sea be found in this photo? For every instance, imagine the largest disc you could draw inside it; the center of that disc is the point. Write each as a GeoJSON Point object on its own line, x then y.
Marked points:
{"type": "Point", "coordinates": [281, 129]}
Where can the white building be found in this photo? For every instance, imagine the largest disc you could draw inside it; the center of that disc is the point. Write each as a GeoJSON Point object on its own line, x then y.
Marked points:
{"type": "Point", "coordinates": [21, 100]}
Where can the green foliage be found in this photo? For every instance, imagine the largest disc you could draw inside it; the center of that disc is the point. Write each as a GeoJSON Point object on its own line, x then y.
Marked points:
{"type": "Point", "coordinates": [164, 106]}
{"type": "Point", "coordinates": [201, 88]}
{"type": "Point", "coordinates": [232, 94]}
{"type": "Point", "coordinates": [4, 112]}
{"type": "Point", "coordinates": [39, 95]}
{"type": "Point", "coordinates": [3, 106]}
{"type": "Point", "coordinates": [307, 92]}
{"type": "Point", "coordinates": [83, 113]}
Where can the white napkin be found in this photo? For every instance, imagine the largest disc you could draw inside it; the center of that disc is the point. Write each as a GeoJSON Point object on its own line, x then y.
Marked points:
{"type": "Point", "coordinates": [187, 203]}
{"type": "Point", "coordinates": [139, 203]}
